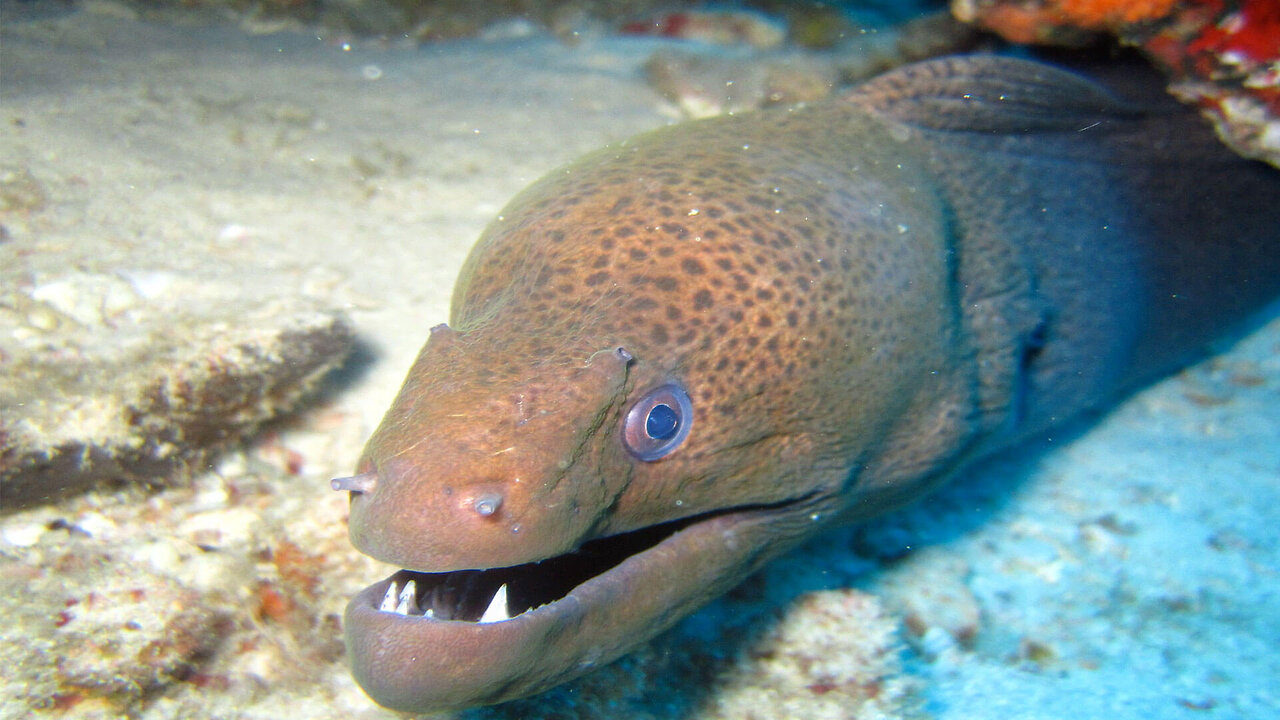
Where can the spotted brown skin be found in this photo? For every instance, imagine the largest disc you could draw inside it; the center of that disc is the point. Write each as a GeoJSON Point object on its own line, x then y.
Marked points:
{"type": "Point", "coordinates": [857, 297]}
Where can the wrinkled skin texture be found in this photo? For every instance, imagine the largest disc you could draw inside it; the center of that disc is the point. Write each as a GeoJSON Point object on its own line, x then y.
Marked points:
{"type": "Point", "coordinates": [858, 297]}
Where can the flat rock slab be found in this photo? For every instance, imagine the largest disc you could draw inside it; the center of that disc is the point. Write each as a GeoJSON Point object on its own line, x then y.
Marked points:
{"type": "Point", "coordinates": [134, 375]}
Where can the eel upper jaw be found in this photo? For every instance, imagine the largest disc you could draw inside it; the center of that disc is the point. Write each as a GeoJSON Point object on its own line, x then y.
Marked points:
{"type": "Point", "coordinates": [440, 641]}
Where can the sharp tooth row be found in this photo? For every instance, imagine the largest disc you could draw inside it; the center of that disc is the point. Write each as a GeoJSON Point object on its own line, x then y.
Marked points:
{"type": "Point", "coordinates": [404, 602]}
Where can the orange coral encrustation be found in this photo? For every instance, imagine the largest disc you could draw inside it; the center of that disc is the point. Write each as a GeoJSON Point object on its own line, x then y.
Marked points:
{"type": "Point", "coordinates": [1098, 14]}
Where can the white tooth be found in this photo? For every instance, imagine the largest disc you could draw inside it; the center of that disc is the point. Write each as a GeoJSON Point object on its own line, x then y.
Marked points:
{"type": "Point", "coordinates": [431, 612]}
{"type": "Point", "coordinates": [408, 601]}
{"type": "Point", "coordinates": [389, 600]}
{"type": "Point", "coordinates": [497, 610]}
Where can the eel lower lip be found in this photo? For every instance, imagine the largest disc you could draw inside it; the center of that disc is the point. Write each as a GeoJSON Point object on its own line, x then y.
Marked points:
{"type": "Point", "coordinates": [442, 644]}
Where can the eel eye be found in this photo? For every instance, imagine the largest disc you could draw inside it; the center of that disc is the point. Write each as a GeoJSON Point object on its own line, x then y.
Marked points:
{"type": "Point", "coordinates": [658, 423]}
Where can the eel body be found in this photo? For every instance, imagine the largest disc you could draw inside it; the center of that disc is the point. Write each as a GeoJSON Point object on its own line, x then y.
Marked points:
{"type": "Point", "coordinates": [687, 352]}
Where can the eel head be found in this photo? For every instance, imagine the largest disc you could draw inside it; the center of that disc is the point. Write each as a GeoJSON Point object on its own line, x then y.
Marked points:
{"type": "Point", "coordinates": [539, 531]}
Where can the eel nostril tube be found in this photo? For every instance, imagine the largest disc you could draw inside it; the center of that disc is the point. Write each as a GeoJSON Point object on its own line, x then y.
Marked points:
{"type": "Point", "coordinates": [487, 504]}
{"type": "Point", "coordinates": [362, 483]}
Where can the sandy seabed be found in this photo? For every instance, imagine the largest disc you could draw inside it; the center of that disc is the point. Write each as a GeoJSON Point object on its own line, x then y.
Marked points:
{"type": "Point", "coordinates": [1127, 569]}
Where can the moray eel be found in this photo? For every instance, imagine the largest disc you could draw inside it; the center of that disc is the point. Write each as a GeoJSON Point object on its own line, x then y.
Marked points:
{"type": "Point", "coordinates": [687, 352]}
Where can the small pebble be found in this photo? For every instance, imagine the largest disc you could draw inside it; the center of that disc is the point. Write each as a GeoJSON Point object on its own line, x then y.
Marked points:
{"type": "Point", "coordinates": [23, 535]}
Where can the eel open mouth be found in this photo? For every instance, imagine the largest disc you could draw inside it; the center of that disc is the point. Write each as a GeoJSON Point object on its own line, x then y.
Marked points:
{"type": "Point", "coordinates": [497, 594]}
{"type": "Point", "coordinates": [421, 641]}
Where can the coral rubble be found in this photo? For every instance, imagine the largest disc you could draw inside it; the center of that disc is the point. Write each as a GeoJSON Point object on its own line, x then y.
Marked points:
{"type": "Point", "coordinates": [113, 377]}
{"type": "Point", "coordinates": [1222, 56]}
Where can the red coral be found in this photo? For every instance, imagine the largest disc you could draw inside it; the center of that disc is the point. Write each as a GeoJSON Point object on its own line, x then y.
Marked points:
{"type": "Point", "coordinates": [1252, 33]}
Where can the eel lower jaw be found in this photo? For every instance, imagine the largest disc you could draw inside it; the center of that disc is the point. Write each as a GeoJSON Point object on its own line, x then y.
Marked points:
{"type": "Point", "coordinates": [440, 641]}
